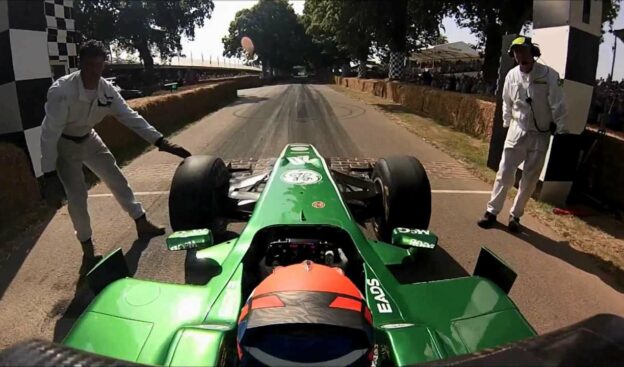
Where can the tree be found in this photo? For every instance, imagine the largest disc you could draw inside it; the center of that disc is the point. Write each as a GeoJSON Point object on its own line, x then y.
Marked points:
{"type": "Point", "coordinates": [489, 20]}
{"type": "Point", "coordinates": [406, 25]}
{"type": "Point", "coordinates": [278, 36]}
{"type": "Point", "coordinates": [348, 24]}
{"type": "Point", "coordinates": [610, 10]}
{"type": "Point", "coordinates": [392, 27]}
{"type": "Point", "coordinates": [323, 50]}
{"type": "Point", "coordinates": [440, 40]}
{"type": "Point", "coordinates": [142, 25]}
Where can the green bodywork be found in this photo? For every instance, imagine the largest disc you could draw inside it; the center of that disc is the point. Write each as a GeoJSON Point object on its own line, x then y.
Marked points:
{"type": "Point", "coordinates": [165, 324]}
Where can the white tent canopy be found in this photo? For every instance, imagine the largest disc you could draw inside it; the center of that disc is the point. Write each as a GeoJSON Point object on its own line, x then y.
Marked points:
{"type": "Point", "coordinates": [455, 51]}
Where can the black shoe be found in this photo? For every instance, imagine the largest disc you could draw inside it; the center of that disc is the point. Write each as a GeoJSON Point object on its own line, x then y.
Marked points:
{"type": "Point", "coordinates": [147, 229]}
{"type": "Point", "coordinates": [514, 224]}
{"type": "Point", "coordinates": [88, 250]}
{"type": "Point", "coordinates": [487, 221]}
{"type": "Point", "coordinates": [88, 262]}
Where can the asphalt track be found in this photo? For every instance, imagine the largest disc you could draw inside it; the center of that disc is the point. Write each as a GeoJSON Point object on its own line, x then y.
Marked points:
{"type": "Point", "coordinates": [39, 289]}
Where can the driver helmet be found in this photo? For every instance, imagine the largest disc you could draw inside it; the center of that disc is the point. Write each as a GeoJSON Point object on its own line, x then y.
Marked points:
{"type": "Point", "coordinates": [305, 314]}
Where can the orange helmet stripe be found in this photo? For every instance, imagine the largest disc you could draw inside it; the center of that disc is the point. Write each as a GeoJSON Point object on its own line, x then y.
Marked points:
{"type": "Point", "coordinates": [266, 302]}
{"type": "Point", "coordinates": [243, 313]}
{"type": "Point", "coordinates": [347, 304]}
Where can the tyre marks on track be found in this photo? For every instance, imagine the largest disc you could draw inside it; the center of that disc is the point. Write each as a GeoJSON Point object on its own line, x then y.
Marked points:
{"type": "Point", "coordinates": [298, 114]}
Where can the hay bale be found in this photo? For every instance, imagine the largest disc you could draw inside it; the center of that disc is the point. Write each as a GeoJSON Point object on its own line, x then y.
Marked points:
{"type": "Point", "coordinates": [475, 117]}
{"type": "Point", "coordinates": [485, 118]}
{"type": "Point", "coordinates": [467, 113]}
{"type": "Point", "coordinates": [167, 113]}
{"type": "Point", "coordinates": [413, 97]}
{"type": "Point", "coordinates": [19, 189]}
{"type": "Point", "coordinates": [431, 104]}
{"type": "Point", "coordinates": [369, 86]}
{"type": "Point", "coordinates": [379, 88]}
{"type": "Point", "coordinates": [360, 84]}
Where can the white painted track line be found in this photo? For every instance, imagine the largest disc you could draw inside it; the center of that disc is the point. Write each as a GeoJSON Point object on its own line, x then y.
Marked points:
{"type": "Point", "coordinates": [480, 192]}
{"type": "Point", "coordinates": [151, 193]}
{"type": "Point", "coordinates": [139, 193]}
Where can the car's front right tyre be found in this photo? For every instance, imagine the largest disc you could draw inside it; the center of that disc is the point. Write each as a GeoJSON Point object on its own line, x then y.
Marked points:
{"type": "Point", "coordinates": [405, 193]}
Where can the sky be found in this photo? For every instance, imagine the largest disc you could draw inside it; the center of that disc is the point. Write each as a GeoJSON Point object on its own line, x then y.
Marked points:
{"type": "Point", "coordinates": [208, 38]}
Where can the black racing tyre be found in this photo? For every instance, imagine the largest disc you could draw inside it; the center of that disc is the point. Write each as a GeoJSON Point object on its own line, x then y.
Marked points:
{"type": "Point", "coordinates": [406, 195]}
{"type": "Point", "coordinates": [199, 191]}
{"type": "Point", "coordinates": [40, 353]}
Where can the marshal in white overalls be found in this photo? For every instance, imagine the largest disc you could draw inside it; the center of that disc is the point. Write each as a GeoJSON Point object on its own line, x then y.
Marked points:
{"type": "Point", "coordinates": [524, 142]}
{"type": "Point", "coordinates": [68, 142]}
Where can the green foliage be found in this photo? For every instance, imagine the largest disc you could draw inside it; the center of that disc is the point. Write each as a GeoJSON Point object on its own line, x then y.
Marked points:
{"type": "Point", "coordinates": [324, 50]}
{"type": "Point", "coordinates": [610, 10]}
{"type": "Point", "coordinates": [319, 20]}
{"type": "Point", "coordinates": [142, 25]}
{"type": "Point", "coordinates": [278, 36]}
{"type": "Point", "coordinates": [353, 29]}
{"type": "Point", "coordinates": [408, 25]}
{"type": "Point", "coordinates": [352, 24]}
{"type": "Point", "coordinates": [481, 15]}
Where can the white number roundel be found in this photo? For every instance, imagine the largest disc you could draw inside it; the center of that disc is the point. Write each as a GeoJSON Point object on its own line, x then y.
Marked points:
{"type": "Point", "coordinates": [301, 177]}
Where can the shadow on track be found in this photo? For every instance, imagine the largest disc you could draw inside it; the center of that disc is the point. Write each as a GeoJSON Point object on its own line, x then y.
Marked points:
{"type": "Point", "coordinates": [607, 272]}
{"type": "Point", "coordinates": [83, 294]}
{"type": "Point", "coordinates": [17, 243]}
{"type": "Point", "coordinates": [248, 100]}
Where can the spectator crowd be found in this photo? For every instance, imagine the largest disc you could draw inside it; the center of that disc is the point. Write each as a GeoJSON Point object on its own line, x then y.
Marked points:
{"type": "Point", "coordinates": [462, 83]}
{"type": "Point", "coordinates": [607, 108]}
{"type": "Point", "coordinates": [456, 76]}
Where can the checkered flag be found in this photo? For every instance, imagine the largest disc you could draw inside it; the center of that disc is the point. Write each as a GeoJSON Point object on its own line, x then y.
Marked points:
{"type": "Point", "coordinates": [397, 65]}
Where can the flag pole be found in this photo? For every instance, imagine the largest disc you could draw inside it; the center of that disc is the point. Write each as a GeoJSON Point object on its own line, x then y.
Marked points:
{"type": "Point", "coordinates": [614, 48]}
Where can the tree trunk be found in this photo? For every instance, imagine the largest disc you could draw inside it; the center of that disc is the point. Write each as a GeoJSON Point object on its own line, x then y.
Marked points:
{"type": "Point", "coordinates": [362, 68]}
{"type": "Point", "coordinates": [148, 62]}
{"type": "Point", "coordinates": [493, 44]}
{"type": "Point", "coordinates": [346, 66]}
{"type": "Point", "coordinates": [494, 39]}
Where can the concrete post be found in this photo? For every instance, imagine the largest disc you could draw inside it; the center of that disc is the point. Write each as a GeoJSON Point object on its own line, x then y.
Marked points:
{"type": "Point", "coordinates": [568, 33]}
{"type": "Point", "coordinates": [498, 131]}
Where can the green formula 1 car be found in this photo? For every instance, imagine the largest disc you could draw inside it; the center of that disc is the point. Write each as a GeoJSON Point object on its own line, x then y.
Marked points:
{"type": "Point", "coordinates": [301, 285]}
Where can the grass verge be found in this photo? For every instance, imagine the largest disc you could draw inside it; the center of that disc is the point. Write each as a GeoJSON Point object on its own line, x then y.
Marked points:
{"type": "Point", "coordinates": [586, 237]}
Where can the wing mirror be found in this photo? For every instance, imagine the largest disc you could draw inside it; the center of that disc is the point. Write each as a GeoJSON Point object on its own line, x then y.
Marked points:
{"type": "Point", "coordinates": [189, 240]}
